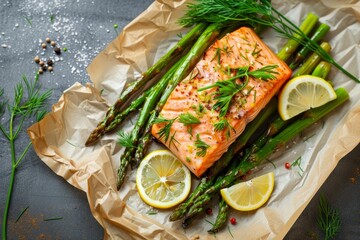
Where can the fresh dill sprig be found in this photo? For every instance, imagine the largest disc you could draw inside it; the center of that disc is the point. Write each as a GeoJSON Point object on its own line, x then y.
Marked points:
{"type": "Point", "coordinates": [188, 120]}
{"type": "Point", "coordinates": [164, 132]}
{"type": "Point", "coordinates": [228, 88]}
{"type": "Point", "coordinates": [125, 139]}
{"type": "Point", "coordinates": [29, 101]}
{"type": "Point", "coordinates": [255, 13]}
{"type": "Point", "coordinates": [201, 146]}
{"type": "Point", "coordinates": [224, 124]}
{"type": "Point", "coordinates": [173, 141]}
{"type": "Point", "coordinates": [328, 219]}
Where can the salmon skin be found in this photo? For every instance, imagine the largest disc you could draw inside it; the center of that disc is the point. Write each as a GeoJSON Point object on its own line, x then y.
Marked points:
{"type": "Point", "coordinates": [200, 144]}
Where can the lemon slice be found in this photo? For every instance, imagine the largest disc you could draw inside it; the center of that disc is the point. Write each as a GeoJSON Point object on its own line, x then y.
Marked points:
{"type": "Point", "coordinates": [162, 180]}
{"type": "Point", "coordinates": [249, 195]}
{"type": "Point", "coordinates": [302, 93]}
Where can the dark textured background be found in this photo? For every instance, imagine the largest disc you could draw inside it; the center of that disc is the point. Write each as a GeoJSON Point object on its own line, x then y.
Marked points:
{"type": "Point", "coordinates": [85, 28]}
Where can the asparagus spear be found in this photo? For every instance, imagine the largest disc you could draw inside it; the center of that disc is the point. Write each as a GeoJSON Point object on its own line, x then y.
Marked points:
{"type": "Point", "coordinates": [187, 40]}
{"type": "Point", "coordinates": [322, 70]}
{"type": "Point", "coordinates": [316, 37]}
{"type": "Point", "coordinates": [120, 117]}
{"type": "Point", "coordinates": [194, 55]}
{"type": "Point", "coordinates": [149, 104]}
{"type": "Point", "coordinates": [221, 217]}
{"type": "Point", "coordinates": [306, 27]}
{"type": "Point", "coordinates": [173, 77]}
{"type": "Point", "coordinates": [254, 159]}
{"type": "Point", "coordinates": [312, 61]}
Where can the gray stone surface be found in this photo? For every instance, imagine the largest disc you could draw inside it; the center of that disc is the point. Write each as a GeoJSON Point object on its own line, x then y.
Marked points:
{"type": "Point", "coordinates": [85, 28]}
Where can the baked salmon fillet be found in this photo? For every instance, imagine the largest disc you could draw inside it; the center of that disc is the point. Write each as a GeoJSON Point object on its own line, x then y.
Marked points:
{"type": "Point", "coordinates": [200, 130]}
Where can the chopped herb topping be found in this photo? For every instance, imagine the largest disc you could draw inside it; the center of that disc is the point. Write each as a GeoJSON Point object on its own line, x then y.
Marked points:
{"type": "Point", "coordinates": [228, 88]}
{"type": "Point", "coordinates": [164, 132]}
{"type": "Point", "coordinates": [125, 139]}
{"type": "Point", "coordinates": [201, 146]}
{"type": "Point", "coordinates": [224, 124]}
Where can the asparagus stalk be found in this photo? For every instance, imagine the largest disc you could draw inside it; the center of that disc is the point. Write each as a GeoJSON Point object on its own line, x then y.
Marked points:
{"type": "Point", "coordinates": [316, 37]}
{"type": "Point", "coordinates": [306, 27]}
{"type": "Point", "coordinates": [212, 173]}
{"type": "Point", "coordinates": [191, 59]}
{"type": "Point", "coordinates": [176, 74]}
{"type": "Point", "coordinates": [254, 159]}
{"type": "Point", "coordinates": [149, 104]}
{"type": "Point", "coordinates": [322, 70]}
{"type": "Point", "coordinates": [313, 60]}
{"type": "Point", "coordinates": [120, 117]}
{"type": "Point", "coordinates": [187, 40]}
{"type": "Point", "coordinates": [221, 217]}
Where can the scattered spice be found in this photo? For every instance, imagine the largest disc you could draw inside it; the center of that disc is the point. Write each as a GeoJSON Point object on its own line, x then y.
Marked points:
{"type": "Point", "coordinates": [208, 211]}
{"type": "Point", "coordinates": [48, 40]}
{"type": "Point", "coordinates": [49, 62]}
{"type": "Point", "coordinates": [41, 63]}
{"type": "Point", "coordinates": [287, 165]}
{"type": "Point", "coordinates": [233, 221]}
{"type": "Point", "coordinates": [50, 68]}
{"type": "Point", "coordinates": [40, 71]}
{"type": "Point", "coordinates": [53, 43]}
{"type": "Point", "coordinates": [43, 45]}
{"type": "Point", "coordinates": [57, 50]}
{"type": "Point", "coordinates": [37, 59]}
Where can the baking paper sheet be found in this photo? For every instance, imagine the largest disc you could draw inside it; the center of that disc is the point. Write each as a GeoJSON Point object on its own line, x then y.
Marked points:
{"type": "Point", "coordinates": [59, 139]}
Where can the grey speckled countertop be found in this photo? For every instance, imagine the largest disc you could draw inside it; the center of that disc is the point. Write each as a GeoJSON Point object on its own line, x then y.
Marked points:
{"type": "Point", "coordinates": [85, 28]}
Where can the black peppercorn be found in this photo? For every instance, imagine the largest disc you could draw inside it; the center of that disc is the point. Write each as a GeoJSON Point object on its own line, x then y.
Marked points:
{"type": "Point", "coordinates": [50, 62]}
{"type": "Point", "coordinates": [57, 50]}
{"type": "Point", "coordinates": [37, 59]}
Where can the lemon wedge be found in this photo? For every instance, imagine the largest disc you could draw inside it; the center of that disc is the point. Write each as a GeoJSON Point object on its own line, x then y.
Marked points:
{"type": "Point", "coordinates": [249, 195]}
{"type": "Point", "coordinates": [162, 180]}
{"type": "Point", "coordinates": [302, 93]}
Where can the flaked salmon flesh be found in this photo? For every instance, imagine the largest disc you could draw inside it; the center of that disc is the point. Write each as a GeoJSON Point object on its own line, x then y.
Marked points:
{"type": "Point", "coordinates": [199, 145]}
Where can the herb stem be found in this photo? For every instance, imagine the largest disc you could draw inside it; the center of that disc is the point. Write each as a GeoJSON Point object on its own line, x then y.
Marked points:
{"type": "Point", "coordinates": [8, 199]}
{"type": "Point", "coordinates": [23, 154]}
{"type": "Point", "coordinates": [4, 132]}
{"type": "Point", "coordinates": [22, 213]}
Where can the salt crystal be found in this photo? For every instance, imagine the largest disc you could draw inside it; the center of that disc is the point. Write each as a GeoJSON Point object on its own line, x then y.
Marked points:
{"type": "Point", "coordinates": [4, 45]}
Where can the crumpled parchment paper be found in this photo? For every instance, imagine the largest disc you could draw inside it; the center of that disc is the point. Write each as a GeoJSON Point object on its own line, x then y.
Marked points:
{"type": "Point", "coordinates": [60, 137]}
